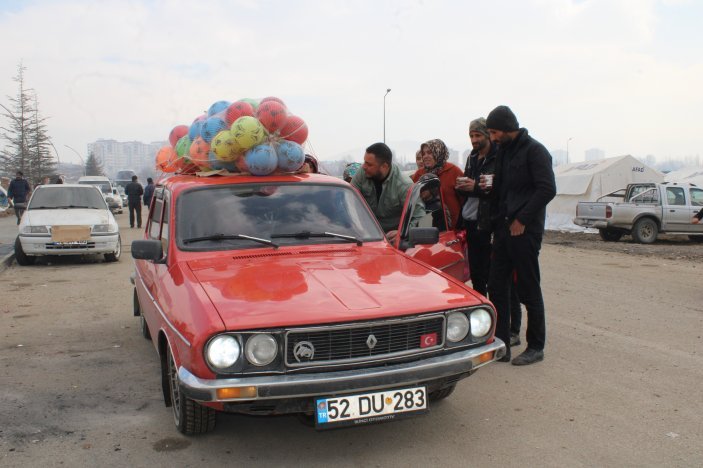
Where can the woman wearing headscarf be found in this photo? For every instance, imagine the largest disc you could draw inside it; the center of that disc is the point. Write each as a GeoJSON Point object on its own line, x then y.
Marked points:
{"type": "Point", "coordinates": [350, 171]}
{"type": "Point", "coordinates": [435, 157]}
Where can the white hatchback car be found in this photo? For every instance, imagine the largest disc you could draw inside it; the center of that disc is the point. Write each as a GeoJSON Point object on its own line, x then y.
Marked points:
{"type": "Point", "coordinates": [67, 219]}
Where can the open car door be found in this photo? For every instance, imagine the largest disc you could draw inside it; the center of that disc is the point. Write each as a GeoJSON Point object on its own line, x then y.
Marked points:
{"type": "Point", "coordinates": [423, 233]}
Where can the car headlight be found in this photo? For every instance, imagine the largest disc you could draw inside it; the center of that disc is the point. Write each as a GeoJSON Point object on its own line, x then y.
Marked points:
{"type": "Point", "coordinates": [457, 326]}
{"type": "Point", "coordinates": [103, 228]}
{"type": "Point", "coordinates": [35, 230]}
{"type": "Point", "coordinates": [223, 351]}
{"type": "Point", "coordinates": [261, 349]}
{"type": "Point", "coordinates": [480, 323]}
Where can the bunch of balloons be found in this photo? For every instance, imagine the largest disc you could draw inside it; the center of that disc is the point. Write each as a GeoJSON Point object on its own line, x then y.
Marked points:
{"type": "Point", "coordinates": [248, 135]}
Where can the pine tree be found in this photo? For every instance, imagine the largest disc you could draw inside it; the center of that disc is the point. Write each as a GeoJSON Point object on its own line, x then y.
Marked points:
{"type": "Point", "coordinates": [93, 166]}
{"type": "Point", "coordinates": [15, 155]}
{"type": "Point", "coordinates": [42, 163]}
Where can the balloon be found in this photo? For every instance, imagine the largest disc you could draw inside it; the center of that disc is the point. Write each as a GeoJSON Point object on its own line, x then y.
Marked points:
{"type": "Point", "coordinates": [176, 134]}
{"type": "Point", "coordinates": [164, 157]}
{"type": "Point", "coordinates": [272, 115]}
{"type": "Point", "coordinates": [254, 103]}
{"type": "Point", "coordinates": [261, 159]}
{"type": "Point", "coordinates": [199, 150]}
{"type": "Point", "coordinates": [248, 132]}
{"type": "Point", "coordinates": [217, 107]}
{"type": "Point", "coordinates": [225, 147]}
{"type": "Point", "coordinates": [291, 156]}
{"type": "Point", "coordinates": [196, 126]}
{"type": "Point", "coordinates": [272, 99]}
{"type": "Point", "coordinates": [183, 147]}
{"type": "Point", "coordinates": [212, 127]}
{"type": "Point", "coordinates": [217, 164]}
{"type": "Point", "coordinates": [236, 110]}
{"type": "Point", "coordinates": [295, 130]}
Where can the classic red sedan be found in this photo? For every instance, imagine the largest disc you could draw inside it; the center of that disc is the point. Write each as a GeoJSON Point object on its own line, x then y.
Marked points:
{"type": "Point", "coordinates": [280, 294]}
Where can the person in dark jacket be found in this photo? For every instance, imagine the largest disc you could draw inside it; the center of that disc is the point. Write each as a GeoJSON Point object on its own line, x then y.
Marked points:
{"type": "Point", "coordinates": [148, 191]}
{"type": "Point", "coordinates": [134, 192]}
{"type": "Point", "coordinates": [18, 192]}
{"type": "Point", "coordinates": [523, 184]}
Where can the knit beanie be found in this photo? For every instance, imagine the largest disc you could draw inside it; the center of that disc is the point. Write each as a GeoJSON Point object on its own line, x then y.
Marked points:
{"type": "Point", "coordinates": [502, 118]}
{"type": "Point", "coordinates": [479, 125]}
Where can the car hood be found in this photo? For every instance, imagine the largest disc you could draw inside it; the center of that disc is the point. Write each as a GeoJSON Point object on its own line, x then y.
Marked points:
{"type": "Point", "coordinates": [74, 216]}
{"type": "Point", "coordinates": [283, 289]}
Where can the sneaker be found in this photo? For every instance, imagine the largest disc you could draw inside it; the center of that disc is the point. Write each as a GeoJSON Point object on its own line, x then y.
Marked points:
{"type": "Point", "coordinates": [514, 339]}
{"type": "Point", "coordinates": [529, 356]}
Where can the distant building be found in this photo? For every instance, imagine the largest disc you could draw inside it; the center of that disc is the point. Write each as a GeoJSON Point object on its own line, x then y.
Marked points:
{"type": "Point", "coordinates": [116, 155]}
{"type": "Point", "coordinates": [594, 154]}
{"type": "Point", "coordinates": [558, 157]}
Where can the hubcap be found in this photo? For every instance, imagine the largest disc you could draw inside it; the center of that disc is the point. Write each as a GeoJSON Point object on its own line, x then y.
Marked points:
{"type": "Point", "coordinates": [175, 394]}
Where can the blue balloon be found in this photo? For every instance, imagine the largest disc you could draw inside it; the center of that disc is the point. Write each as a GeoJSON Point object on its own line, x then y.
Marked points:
{"type": "Point", "coordinates": [195, 129]}
{"type": "Point", "coordinates": [261, 159]}
{"type": "Point", "coordinates": [212, 127]}
{"type": "Point", "coordinates": [291, 156]}
{"type": "Point", "coordinates": [217, 107]}
{"type": "Point", "coordinates": [217, 164]}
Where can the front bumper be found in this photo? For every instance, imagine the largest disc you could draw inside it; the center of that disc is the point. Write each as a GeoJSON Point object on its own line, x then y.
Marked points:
{"type": "Point", "coordinates": [43, 245]}
{"type": "Point", "coordinates": [347, 381]}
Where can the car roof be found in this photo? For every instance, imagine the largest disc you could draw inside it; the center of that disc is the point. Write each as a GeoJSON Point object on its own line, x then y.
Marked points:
{"type": "Point", "coordinates": [58, 186]}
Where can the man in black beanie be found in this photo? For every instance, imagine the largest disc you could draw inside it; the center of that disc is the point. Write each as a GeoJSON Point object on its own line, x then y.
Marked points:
{"type": "Point", "coordinates": [522, 187]}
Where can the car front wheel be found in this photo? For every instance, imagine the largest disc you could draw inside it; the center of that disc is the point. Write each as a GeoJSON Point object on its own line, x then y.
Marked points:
{"type": "Point", "coordinates": [115, 256]}
{"type": "Point", "coordinates": [22, 258]}
{"type": "Point", "coordinates": [190, 417]}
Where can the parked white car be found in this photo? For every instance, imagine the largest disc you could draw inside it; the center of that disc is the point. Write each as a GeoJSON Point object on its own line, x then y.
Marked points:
{"type": "Point", "coordinates": [67, 219]}
{"type": "Point", "coordinates": [109, 192]}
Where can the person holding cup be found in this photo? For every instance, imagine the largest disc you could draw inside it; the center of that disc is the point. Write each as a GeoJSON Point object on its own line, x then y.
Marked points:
{"type": "Point", "coordinates": [523, 185]}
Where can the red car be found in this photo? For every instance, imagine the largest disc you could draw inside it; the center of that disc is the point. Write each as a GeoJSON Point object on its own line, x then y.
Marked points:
{"type": "Point", "coordinates": [280, 294]}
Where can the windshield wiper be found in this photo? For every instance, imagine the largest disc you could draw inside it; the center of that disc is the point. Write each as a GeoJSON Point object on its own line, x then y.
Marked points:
{"type": "Point", "coordinates": [43, 208]}
{"type": "Point", "coordinates": [73, 206]}
{"type": "Point", "coordinates": [308, 235]}
{"type": "Point", "coordinates": [218, 237]}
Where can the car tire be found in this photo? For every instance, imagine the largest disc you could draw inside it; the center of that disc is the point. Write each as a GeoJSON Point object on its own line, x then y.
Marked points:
{"type": "Point", "coordinates": [698, 239]}
{"type": "Point", "coordinates": [610, 235]}
{"type": "Point", "coordinates": [143, 326]}
{"type": "Point", "coordinates": [191, 417]}
{"type": "Point", "coordinates": [645, 231]}
{"type": "Point", "coordinates": [115, 256]}
{"type": "Point", "coordinates": [442, 393]}
{"type": "Point", "coordinates": [22, 258]}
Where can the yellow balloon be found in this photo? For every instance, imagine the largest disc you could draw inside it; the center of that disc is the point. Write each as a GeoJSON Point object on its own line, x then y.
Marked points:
{"type": "Point", "coordinates": [225, 146]}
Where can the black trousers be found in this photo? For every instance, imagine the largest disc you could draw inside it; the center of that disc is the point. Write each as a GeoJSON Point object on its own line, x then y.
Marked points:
{"type": "Point", "coordinates": [135, 206]}
{"type": "Point", "coordinates": [519, 254]}
{"type": "Point", "coordinates": [479, 256]}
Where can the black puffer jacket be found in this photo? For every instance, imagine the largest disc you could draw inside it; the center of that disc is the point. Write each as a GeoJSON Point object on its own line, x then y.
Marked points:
{"type": "Point", "coordinates": [474, 168]}
{"type": "Point", "coordinates": [524, 182]}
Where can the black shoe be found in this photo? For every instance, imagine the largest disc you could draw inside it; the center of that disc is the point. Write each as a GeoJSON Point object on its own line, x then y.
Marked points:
{"type": "Point", "coordinates": [505, 358]}
{"type": "Point", "coordinates": [514, 339]}
{"type": "Point", "coordinates": [529, 356]}
{"type": "Point", "coordinates": [131, 227]}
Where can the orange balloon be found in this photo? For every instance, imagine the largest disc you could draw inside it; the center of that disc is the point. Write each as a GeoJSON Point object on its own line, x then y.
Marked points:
{"type": "Point", "coordinates": [165, 156]}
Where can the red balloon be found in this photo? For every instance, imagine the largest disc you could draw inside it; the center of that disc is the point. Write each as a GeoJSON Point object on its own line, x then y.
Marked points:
{"type": "Point", "coordinates": [272, 99]}
{"type": "Point", "coordinates": [272, 115]}
{"type": "Point", "coordinates": [295, 130]}
{"type": "Point", "coordinates": [177, 133]}
{"type": "Point", "coordinates": [236, 110]}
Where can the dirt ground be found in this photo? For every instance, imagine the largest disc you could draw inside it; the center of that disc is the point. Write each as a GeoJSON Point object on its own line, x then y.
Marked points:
{"type": "Point", "coordinates": [620, 384]}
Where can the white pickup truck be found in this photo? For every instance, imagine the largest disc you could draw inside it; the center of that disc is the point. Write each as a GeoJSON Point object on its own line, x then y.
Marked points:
{"type": "Point", "coordinates": [647, 209]}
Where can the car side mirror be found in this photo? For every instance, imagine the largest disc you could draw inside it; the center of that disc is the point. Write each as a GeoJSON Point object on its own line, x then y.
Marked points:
{"type": "Point", "coordinates": [149, 249]}
{"type": "Point", "coordinates": [420, 236]}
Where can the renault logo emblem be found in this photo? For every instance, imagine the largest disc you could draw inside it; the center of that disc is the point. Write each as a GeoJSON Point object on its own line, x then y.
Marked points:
{"type": "Point", "coordinates": [303, 350]}
{"type": "Point", "coordinates": [371, 342]}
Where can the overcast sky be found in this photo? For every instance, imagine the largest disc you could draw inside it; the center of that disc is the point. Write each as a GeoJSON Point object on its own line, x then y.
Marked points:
{"type": "Point", "coordinates": [621, 75]}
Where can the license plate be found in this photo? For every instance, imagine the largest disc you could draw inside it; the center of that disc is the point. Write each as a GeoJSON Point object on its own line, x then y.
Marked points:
{"type": "Point", "coordinates": [61, 244]}
{"type": "Point", "coordinates": [368, 408]}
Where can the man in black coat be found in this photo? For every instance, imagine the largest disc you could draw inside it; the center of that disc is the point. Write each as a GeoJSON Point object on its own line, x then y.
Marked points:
{"type": "Point", "coordinates": [148, 192]}
{"type": "Point", "coordinates": [19, 192]}
{"type": "Point", "coordinates": [523, 186]}
{"type": "Point", "coordinates": [134, 192]}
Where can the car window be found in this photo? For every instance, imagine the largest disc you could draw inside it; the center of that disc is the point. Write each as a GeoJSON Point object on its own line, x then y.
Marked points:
{"type": "Point", "coordinates": [155, 221]}
{"type": "Point", "coordinates": [164, 222]}
{"type": "Point", "coordinates": [103, 186]}
{"type": "Point", "coordinates": [649, 196]}
{"type": "Point", "coordinates": [67, 197]}
{"type": "Point", "coordinates": [285, 213]}
{"type": "Point", "coordinates": [696, 197]}
{"type": "Point", "coordinates": [675, 196]}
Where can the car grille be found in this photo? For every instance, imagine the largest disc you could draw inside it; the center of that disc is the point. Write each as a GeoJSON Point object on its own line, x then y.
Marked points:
{"type": "Point", "coordinates": [69, 245]}
{"type": "Point", "coordinates": [362, 342]}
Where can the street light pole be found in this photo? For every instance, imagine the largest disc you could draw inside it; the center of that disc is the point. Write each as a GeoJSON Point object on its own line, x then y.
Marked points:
{"type": "Point", "coordinates": [567, 149]}
{"type": "Point", "coordinates": [384, 113]}
{"type": "Point", "coordinates": [79, 156]}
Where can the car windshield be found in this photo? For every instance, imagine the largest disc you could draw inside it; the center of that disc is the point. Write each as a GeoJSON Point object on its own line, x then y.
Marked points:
{"type": "Point", "coordinates": [244, 216]}
{"type": "Point", "coordinates": [103, 186]}
{"type": "Point", "coordinates": [67, 197]}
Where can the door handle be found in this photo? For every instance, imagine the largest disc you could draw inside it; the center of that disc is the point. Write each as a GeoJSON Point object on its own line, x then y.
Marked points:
{"type": "Point", "coordinates": [452, 242]}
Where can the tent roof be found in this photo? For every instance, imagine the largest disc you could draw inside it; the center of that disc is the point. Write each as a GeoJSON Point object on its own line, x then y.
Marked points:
{"type": "Point", "coordinates": [575, 178]}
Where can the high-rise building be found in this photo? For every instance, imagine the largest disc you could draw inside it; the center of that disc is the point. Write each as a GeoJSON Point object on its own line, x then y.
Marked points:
{"type": "Point", "coordinates": [558, 157]}
{"type": "Point", "coordinates": [116, 155]}
{"type": "Point", "coordinates": [594, 154]}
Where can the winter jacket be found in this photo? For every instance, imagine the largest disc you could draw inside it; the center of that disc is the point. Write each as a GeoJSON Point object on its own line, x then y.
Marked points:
{"type": "Point", "coordinates": [148, 193]}
{"type": "Point", "coordinates": [18, 191]}
{"type": "Point", "coordinates": [447, 180]}
{"type": "Point", "coordinates": [134, 192]}
{"type": "Point", "coordinates": [474, 169]}
{"type": "Point", "coordinates": [389, 207]}
{"type": "Point", "coordinates": [524, 182]}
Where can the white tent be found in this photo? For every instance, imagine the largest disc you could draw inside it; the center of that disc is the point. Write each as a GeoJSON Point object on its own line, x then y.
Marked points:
{"type": "Point", "coordinates": [590, 180]}
{"type": "Point", "coordinates": [691, 175]}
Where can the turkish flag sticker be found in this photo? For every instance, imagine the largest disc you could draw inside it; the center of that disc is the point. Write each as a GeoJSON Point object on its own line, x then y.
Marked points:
{"type": "Point", "coordinates": [428, 340]}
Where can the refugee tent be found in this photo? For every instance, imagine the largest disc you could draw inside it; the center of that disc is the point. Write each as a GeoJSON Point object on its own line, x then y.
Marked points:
{"type": "Point", "coordinates": [590, 180]}
{"type": "Point", "coordinates": [690, 175]}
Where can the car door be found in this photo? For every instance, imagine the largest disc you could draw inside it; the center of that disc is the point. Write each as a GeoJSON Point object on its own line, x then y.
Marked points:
{"type": "Point", "coordinates": [677, 212]}
{"type": "Point", "coordinates": [425, 208]}
{"type": "Point", "coordinates": [696, 203]}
